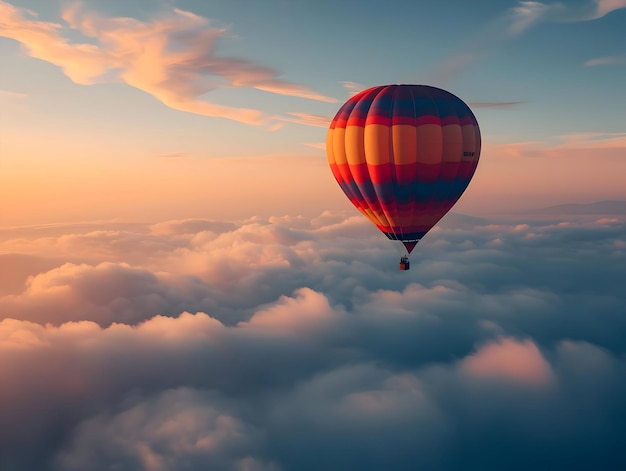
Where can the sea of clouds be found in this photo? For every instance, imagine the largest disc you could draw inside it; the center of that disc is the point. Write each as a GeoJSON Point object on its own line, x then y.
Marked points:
{"type": "Point", "coordinates": [292, 343]}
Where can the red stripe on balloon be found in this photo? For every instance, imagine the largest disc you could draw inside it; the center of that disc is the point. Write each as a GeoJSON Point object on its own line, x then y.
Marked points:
{"type": "Point", "coordinates": [449, 171]}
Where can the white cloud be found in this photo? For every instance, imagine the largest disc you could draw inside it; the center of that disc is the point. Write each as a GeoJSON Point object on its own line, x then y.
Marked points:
{"type": "Point", "coordinates": [528, 13]}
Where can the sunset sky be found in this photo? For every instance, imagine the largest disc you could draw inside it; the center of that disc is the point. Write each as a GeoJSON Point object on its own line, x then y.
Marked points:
{"type": "Point", "coordinates": [111, 109]}
{"type": "Point", "coordinates": [183, 285]}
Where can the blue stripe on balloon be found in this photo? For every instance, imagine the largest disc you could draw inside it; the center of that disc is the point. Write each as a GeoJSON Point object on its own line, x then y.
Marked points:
{"type": "Point", "coordinates": [391, 193]}
{"type": "Point", "coordinates": [405, 237]}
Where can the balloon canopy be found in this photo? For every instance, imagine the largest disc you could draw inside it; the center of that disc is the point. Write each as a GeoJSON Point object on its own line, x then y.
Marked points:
{"type": "Point", "coordinates": [403, 155]}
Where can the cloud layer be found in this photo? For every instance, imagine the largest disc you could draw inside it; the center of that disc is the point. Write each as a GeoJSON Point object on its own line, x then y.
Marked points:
{"type": "Point", "coordinates": [293, 343]}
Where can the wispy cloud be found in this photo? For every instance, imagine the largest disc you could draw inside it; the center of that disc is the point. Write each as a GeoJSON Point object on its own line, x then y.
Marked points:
{"type": "Point", "coordinates": [495, 104]}
{"type": "Point", "coordinates": [305, 118]}
{"type": "Point", "coordinates": [594, 140]}
{"type": "Point", "coordinates": [603, 8]}
{"type": "Point", "coordinates": [609, 60]}
{"type": "Point", "coordinates": [10, 95]}
{"type": "Point", "coordinates": [527, 14]}
{"type": "Point", "coordinates": [605, 145]}
{"type": "Point", "coordinates": [352, 87]}
{"type": "Point", "coordinates": [316, 145]}
{"type": "Point", "coordinates": [173, 57]}
{"type": "Point", "coordinates": [517, 21]}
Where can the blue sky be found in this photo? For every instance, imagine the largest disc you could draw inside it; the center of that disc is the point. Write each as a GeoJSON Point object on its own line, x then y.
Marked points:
{"type": "Point", "coordinates": [485, 52]}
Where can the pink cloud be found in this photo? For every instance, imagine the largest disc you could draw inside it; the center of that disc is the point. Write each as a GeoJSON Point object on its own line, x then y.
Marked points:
{"type": "Point", "coordinates": [604, 7]}
{"type": "Point", "coordinates": [306, 118]}
{"type": "Point", "coordinates": [509, 360]}
{"type": "Point", "coordinates": [82, 63]}
{"type": "Point", "coordinates": [173, 58]}
{"type": "Point", "coordinates": [107, 293]}
{"type": "Point", "coordinates": [316, 145]}
{"type": "Point", "coordinates": [593, 140]}
{"type": "Point", "coordinates": [307, 311]}
{"type": "Point", "coordinates": [229, 391]}
{"type": "Point", "coordinates": [6, 95]}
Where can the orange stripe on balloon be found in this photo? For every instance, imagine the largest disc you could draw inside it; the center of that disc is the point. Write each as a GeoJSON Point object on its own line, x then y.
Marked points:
{"type": "Point", "coordinates": [377, 144]}
{"type": "Point", "coordinates": [429, 144]}
{"type": "Point", "coordinates": [452, 151]}
{"type": "Point", "coordinates": [354, 145]}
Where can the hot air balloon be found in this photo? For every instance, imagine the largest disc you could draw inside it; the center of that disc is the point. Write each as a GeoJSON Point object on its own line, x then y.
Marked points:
{"type": "Point", "coordinates": [403, 155]}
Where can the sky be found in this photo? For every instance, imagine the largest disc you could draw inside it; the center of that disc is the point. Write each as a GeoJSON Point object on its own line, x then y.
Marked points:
{"type": "Point", "coordinates": [184, 286]}
{"type": "Point", "coordinates": [110, 109]}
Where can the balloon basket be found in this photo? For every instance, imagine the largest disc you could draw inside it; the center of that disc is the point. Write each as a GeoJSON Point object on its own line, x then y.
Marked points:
{"type": "Point", "coordinates": [404, 264]}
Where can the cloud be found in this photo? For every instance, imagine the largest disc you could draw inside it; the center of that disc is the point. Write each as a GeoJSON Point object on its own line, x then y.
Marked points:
{"type": "Point", "coordinates": [510, 24]}
{"type": "Point", "coordinates": [160, 433]}
{"type": "Point", "coordinates": [172, 57]}
{"type": "Point", "coordinates": [106, 293]}
{"type": "Point", "coordinates": [353, 88]}
{"type": "Point", "coordinates": [508, 359]}
{"type": "Point", "coordinates": [10, 95]}
{"type": "Point", "coordinates": [191, 226]}
{"type": "Point", "coordinates": [515, 22]}
{"type": "Point", "coordinates": [306, 118]}
{"type": "Point", "coordinates": [566, 143]}
{"type": "Point", "coordinates": [603, 8]}
{"type": "Point", "coordinates": [16, 268]}
{"type": "Point", "coordinates": [495, 104]}
{"type": "Point", "coordinates": [315, 313]}
{"type": "Point", "coordinates": [316, 145]}
{"type": "Point", "coordinates": [609, 60]}
{"type": "Point", "coordinates": [244, 345]}
{"type": "Point", "coordinates": [594, 140]}
{"type": "Point", "coordinates": [528, 13]}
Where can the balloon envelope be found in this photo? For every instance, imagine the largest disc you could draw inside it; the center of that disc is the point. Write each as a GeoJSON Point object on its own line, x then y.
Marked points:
{"type": "Point", "coordinates": [403, 155]}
